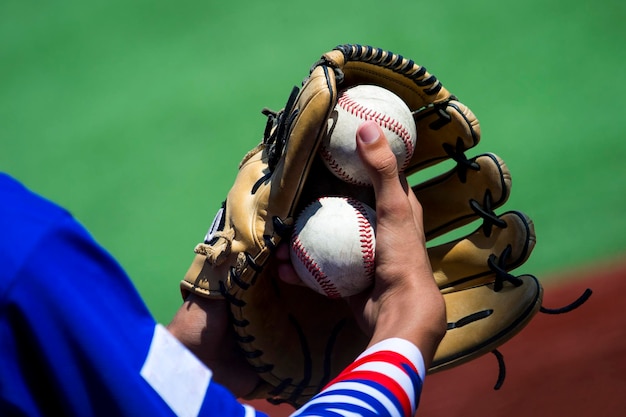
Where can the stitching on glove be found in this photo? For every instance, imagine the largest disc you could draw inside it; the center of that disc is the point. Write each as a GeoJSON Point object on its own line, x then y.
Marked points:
{"type": "Point", "coordinates": [464, 321]}
{"type": "Point", "coordinates": [569, 307]}
{"type": "Point", "coordinates": [500, 358]}
{"type": "Point", "coordinates": [237, 322]}
{"type": "Point", "coordinates": [281, 122]}
{"type": "Point", "coordinates": [501, 369]}
{"type": "Point", "coordinates": [498, 265]}
{"type": "Point", "coordinates": [443, 117]}
{"type": "Point", "coordinates": [464, 111]}
{"type": "Point", "coordinates": [490, 218]}
{"type": "Point", "coordinates": [305, 382]}
{"type": "Point", "coordinates": [235, 277]}
{"type": "Point", "coordinates": [281, 227]}
{"type": "Point", "coordinates": [457, 153]}
{"type": "Point", "coordinates": [481, 315]}
{"type": "Point", "coordinates": [394, 62]}
{"type": "Point", "coordinates": [228, 296]}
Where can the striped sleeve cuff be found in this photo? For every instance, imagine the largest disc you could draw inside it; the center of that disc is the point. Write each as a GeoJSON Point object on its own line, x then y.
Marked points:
{"type": "Point", "coordinates": [386, 379]}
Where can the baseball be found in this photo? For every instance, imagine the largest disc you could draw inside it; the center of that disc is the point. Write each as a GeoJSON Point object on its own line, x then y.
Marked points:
{"type": "Point", "coordinates": [333, 245]}
{"type": "Point", "coordinates": [354, 106]}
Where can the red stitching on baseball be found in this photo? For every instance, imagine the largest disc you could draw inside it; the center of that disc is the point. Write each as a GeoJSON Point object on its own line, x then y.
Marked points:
{"type": "Point", "coordinates": [334, 166]}
{"type": "Point", "coordinates": [358, 110]}
{"type": "Point", "coordinates": [366, 237]}
{"type": "Point", "coordinates": [327, 286]}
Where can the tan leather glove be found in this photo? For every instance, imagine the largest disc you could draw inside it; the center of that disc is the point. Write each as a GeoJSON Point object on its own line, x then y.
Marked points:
{"type": "Point", "coordinates": [297, 339]}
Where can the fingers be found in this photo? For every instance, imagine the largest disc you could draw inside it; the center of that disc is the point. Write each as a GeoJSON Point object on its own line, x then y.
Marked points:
{"type": "Point", "coordinates": [377, 156]}
{"type": "Point", "coordinates": [397, 208]}
{"type": "Point", "coordinates": [391, 190]}
{"type": "Point", "coordinates": [405, 301]}
{"type": "Point", "coordinates": [398, 212]}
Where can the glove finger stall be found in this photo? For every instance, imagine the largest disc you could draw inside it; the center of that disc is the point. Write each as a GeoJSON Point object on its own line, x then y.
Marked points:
{"type": "Point", "coordinates": [480, 258]}
{"type": "Point", "coordinates": [460, 196]}
{"type": "Point", "coordinates": [443, 131]}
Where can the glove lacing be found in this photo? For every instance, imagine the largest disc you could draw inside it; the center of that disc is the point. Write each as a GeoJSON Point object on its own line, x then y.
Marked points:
{"type": "Point", "coordinates": [457, 154]}
{"type": "Point", "coordinates": [502, 276]}
{"type": "Point", "coordinates": [485, 211]}
{"type": "Point", "coordinates": [497, 264]}
{"type": "Point", "coordinates": [278, 127]}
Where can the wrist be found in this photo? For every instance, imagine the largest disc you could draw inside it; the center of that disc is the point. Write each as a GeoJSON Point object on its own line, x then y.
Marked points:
{"type": "Point", "coordinates": [414, 313]}
{"type": "Point", "coordinates": [202, 325]}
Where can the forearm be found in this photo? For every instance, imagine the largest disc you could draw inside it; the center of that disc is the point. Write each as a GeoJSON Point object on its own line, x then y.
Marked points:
{"type": "Point", "coordinates": [413, 315]}
{"type": "Point", "coordinates": [202, 325]}
{"type": "Point", "coordinates": [386, 378]}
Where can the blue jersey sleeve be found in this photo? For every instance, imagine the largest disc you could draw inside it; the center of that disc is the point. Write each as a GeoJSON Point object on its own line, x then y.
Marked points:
{"type": "Point", "coordinates": [75, 337]}
{"type": "Point", "coordinates": [77, 340]}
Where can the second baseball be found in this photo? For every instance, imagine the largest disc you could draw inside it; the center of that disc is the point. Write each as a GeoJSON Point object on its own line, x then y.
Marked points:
{"type": "Point", "coordinates": [354, 106]}
{"type": "Point", "coordinates": [333, 246]}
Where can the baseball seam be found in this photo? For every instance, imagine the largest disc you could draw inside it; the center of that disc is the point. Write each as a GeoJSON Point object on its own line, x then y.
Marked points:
{"type": "Point", "coordinates": [366, 237]}
{"type": "Point", "coordinates": [337, 168]}
{"type": "Point", "coordinates": [324, 282]}
{"type": "Point", "coordinates": [360, 111]}
{"type": "Point", "coordinates": [367, 245]}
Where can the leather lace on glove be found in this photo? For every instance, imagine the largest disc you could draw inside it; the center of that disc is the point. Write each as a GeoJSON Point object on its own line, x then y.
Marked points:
{"type": "Point", "coordinates": [298, 340]}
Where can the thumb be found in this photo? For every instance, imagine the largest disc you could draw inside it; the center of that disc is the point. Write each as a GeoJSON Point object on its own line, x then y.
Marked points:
{"type": "Point", "coordinates": [376, 154]}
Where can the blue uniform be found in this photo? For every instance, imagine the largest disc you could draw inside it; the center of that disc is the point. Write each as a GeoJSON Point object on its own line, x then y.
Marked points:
{"type": "Point", "coordinates": [77, 340]}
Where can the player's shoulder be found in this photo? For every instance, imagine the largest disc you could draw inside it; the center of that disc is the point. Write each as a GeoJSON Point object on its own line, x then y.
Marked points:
{"type": "Point", "coordinates": [26, 218]}
{"type": "Point", "coordinates": [23, 206]}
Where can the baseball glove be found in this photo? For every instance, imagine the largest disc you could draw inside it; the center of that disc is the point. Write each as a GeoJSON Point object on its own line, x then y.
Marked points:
{"type": "Point", "coordinates": [298, 340]}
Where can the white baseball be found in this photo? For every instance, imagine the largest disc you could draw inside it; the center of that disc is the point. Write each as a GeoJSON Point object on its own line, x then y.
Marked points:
{"type": "Point", "coordinates": [333, 246]}
{"type": "Point", "coordinates": [354, 106]}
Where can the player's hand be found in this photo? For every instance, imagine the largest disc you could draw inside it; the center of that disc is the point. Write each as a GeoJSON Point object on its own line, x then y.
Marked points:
{"type": "Point", "coordinates": [203, 326]}
{"type": "Point", "coordinates": [405, 301]}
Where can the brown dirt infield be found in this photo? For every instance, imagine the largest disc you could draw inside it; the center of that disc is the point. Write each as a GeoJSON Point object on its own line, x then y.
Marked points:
{"type": "Point", "coordinates": [572, 364]}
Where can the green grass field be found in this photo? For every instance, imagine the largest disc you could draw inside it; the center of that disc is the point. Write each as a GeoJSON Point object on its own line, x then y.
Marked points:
{"type": "Point", "coordinates": [135, 114]}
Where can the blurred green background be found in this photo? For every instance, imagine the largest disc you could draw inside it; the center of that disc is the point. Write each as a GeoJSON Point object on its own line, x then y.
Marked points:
{"type": "Point", "coordinates": [135, 114]}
